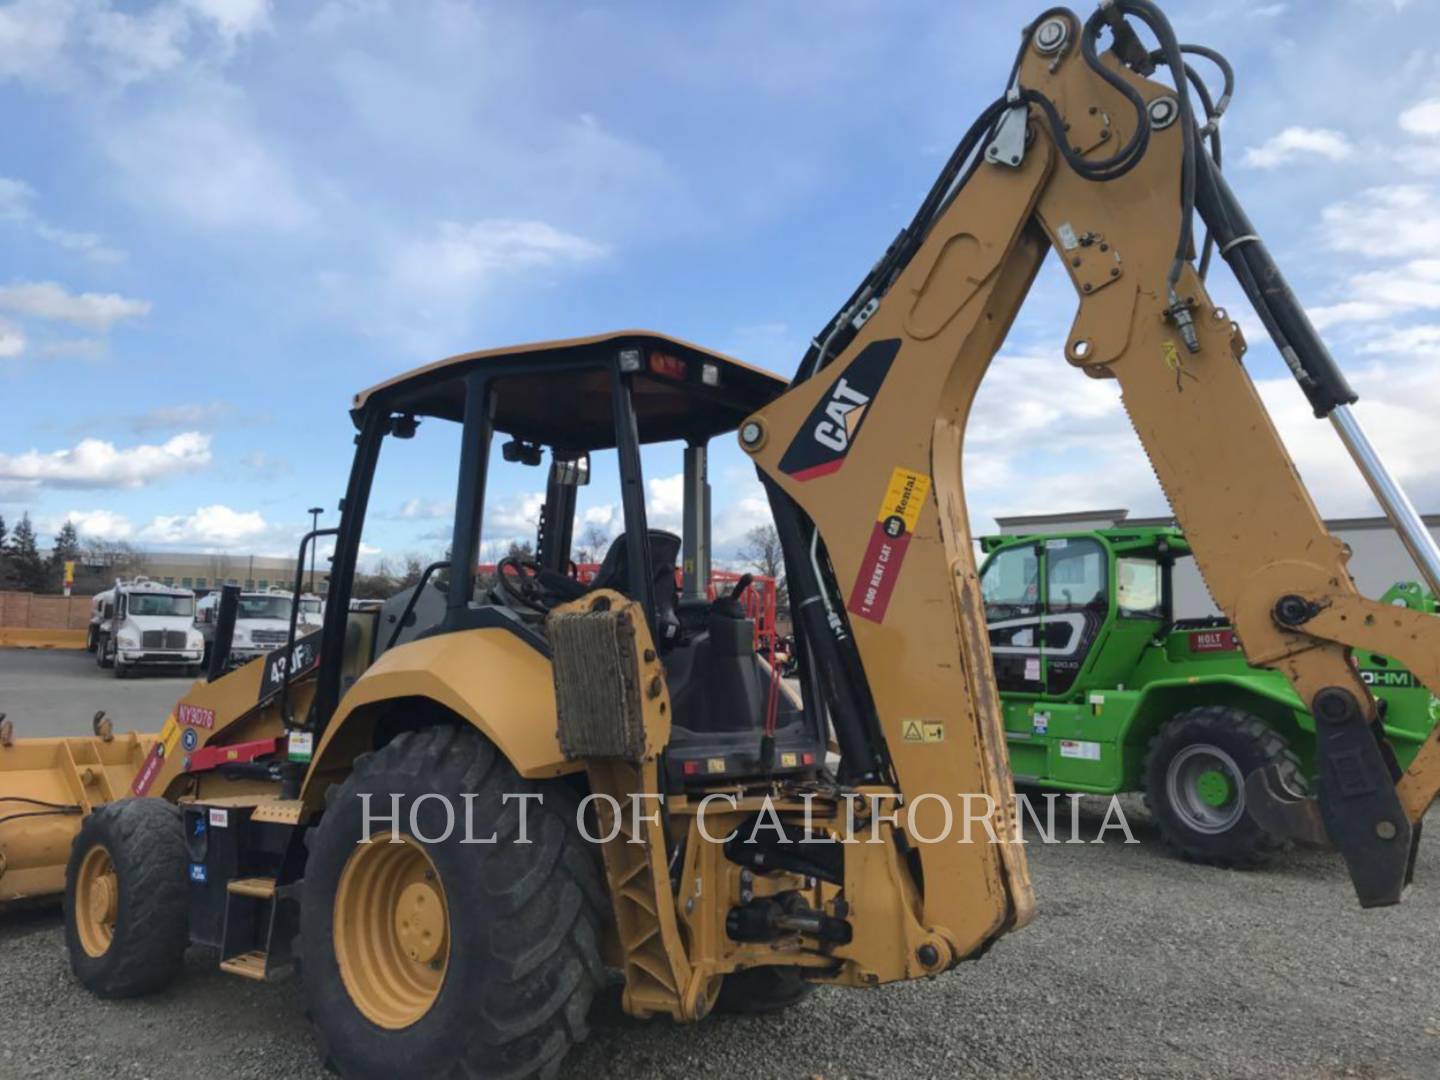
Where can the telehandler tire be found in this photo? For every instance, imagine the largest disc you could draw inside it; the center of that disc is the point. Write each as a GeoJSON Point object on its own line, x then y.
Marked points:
{"type": "Point", "coordinates": [1194, 784]}
{"type": "Point", "coordinates": [127, 901]}
{"type": "Point", "coordinates": [434, 957]}
{"type": "Point", "coordinates": [762, 990]}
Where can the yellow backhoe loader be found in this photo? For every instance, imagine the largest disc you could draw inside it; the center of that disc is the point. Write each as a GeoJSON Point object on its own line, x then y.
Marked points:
{"type": "Point", "coordinates": [457, 819]}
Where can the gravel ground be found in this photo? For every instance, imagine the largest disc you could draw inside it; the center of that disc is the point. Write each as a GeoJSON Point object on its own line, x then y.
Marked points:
{"type": "Point", "coordinates": [1136, 965]}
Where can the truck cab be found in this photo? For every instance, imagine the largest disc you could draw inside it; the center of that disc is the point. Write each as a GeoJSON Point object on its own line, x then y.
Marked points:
{"type": "Point", "coordinates": [141, 623]}
{"type": "Point", "coordinates": [262, 622]}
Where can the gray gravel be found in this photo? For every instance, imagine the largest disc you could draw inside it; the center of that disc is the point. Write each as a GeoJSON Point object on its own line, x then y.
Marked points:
{"type": "Point", "coordinates": [1136, 965]}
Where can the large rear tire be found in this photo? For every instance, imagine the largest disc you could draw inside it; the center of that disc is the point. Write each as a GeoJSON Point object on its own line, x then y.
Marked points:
{"type": "Point", "coordinates": [126, 899]}
{"type": "Point", "coordinates": [434, 957]}
{"type": "Point", "coordinates": [1194, 784]}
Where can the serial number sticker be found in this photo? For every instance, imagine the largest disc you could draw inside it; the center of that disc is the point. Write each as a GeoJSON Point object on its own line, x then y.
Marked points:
{"type": "Point", "coordinates": [219, 818]}
{"type": "Point", "coordinates": [895, 521]}
{"type": "Point", "coordinates": [195, 716]}
{"type": "Point", "coordinates": [1085, 751]}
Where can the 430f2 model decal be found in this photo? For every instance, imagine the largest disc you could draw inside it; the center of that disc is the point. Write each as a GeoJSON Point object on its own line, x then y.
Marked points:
{"type": "Point", "coordinates": [834, 423]}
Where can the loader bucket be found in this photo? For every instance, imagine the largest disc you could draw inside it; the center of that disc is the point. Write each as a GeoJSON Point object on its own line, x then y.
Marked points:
{"type": "Point", "coordinates": [46, 787]}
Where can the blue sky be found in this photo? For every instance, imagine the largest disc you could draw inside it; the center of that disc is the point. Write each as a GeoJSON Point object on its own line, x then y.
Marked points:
{"type": "Point", "coordinates": [220, 218]}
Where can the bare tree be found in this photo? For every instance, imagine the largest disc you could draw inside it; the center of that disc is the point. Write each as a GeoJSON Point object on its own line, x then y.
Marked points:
{"type": "Point", "coordinates": [761, 550]}
{"type": "Point", "coordinates": [592, 544]}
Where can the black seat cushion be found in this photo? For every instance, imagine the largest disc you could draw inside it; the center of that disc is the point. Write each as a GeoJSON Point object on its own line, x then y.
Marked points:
{"type": "Point", "coordinates": [614, 573]}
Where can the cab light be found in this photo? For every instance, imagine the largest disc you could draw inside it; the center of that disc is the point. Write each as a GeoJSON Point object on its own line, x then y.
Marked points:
{"type": "Point", "coordinates": [669, 366]}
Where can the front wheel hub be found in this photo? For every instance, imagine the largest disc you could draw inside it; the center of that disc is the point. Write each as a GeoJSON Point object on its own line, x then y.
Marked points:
{"type": "Point", "coordinates": [392, 930]}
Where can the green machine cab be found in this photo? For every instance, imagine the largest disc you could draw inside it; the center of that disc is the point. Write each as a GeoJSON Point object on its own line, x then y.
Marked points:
{"type": "Point", "coordinates": [1105, 691]}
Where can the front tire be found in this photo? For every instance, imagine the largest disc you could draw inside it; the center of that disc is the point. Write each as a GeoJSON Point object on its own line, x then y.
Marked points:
{"type": "Point", "coordinates": [439, 958]}
{"type": "Point", "coordinates": [126, 899]}
{"type": "Point", "coordinates": [1195, 784]}
{"type": "Point", "coordinates": [103, 657]}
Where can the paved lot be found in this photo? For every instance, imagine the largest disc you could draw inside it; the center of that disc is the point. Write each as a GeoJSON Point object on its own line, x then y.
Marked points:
{"type": "Point", "coordinates": [57, 691]}
{"type": "Point", "coordinates": [1136, 966]}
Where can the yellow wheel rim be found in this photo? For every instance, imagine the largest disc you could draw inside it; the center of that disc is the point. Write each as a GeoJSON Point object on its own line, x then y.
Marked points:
{"type": "Point", "coordinates": [97, 901]}
{"type": "Point", "coordinates": [392, 930]}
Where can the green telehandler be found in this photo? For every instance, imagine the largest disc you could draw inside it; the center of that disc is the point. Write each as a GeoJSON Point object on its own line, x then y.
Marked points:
{"type": "Point", "coordinates": [1105, 691]}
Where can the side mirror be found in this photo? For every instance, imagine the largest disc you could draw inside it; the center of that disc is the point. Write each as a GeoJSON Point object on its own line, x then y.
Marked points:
{"type": "Point", "coordinates": [571, 472]}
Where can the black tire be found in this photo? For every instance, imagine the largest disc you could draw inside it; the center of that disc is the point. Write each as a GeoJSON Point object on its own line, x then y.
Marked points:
{"type": "Point", "coordinates": [1233, 743]}
{"type": "Point", "coordinates": [762, 990]}
{"type": "Point", "coordinates": [103, 658]}
{"type": "Point", "coordinates": [90, 639]}
{"type": "Point", "coordinates": [524, 959]}
{"type": "Point", "coordinates": [145, 841]}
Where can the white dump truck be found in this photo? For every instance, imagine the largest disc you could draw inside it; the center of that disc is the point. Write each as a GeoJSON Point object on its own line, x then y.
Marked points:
{"type": "Point", "coordinates": [262, 622]}
{"type": "Point", "coordinates": [141, 623]}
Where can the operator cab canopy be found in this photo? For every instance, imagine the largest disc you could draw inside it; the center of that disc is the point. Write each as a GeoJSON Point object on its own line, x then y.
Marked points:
{"type": "Point", "coordinates": [618, 390]}
{"type": "Point", "coordinates": [559, 393]}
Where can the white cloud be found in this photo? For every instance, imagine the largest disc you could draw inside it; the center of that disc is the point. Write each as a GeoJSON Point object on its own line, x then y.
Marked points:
{"type": "Point", "coordinates": [169, 417]}
{"type": "Point", "coordinates": [455, 257]}
{"type": "Point", "coordinates": [1422, 119]}
{"type": "Point", "coordinates": [17, 200]}
{"type": "Point", "coordinates": [512, 518]}
{"type": "Point", "coordinates": [94, 463]}
{"type": "Point", "coordinates": [209, 526]}
{"type": "Point", "coordinates": [665, 505]}
{"type": "Point", "coordinates": [1392, 221]}
{"type": "Point", "coordinates": [12, 340]}
{"type": "Point", "coordinates": [79, 347]}
{"type": "Point", "coordinates": [202, 162]}
{"type": "Point", "coordinates": [33, 35]}
{"type": "Point", "coordinates": [99, 524]}
{"type": "Point", "coordinates": [47, 300]}
{"type": "Point", "coordinates": [139, 46]}
{"type": "Point", "coordinates": [420, 509]}
{"type": "Point", "coordinates": [1296, 142]}
{"type": "Point", "coordinates": [234, 18]}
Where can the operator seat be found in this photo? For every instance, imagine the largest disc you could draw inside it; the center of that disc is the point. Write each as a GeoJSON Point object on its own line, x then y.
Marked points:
{"type": "Point", "coordinates": [614, 573]}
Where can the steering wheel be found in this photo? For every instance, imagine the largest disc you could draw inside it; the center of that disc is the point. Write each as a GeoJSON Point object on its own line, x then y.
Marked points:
{"type": "Point", "coordinates": [523, 587]}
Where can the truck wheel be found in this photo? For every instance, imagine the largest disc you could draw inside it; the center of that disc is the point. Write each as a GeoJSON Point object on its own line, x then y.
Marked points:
{"type": "Point", "coordinates": [1195, 784]}
{"type": "Point", "coordinates": [426, 956]}
{"type": "Point", "coordinates": [103, 656]}
{"type": "Point", "coordinates": [762, 990]}
{"type": "Point", "coordinates": [126, 899]}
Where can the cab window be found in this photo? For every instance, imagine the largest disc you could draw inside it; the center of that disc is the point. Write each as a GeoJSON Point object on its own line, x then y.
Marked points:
{"type": "Point", "coordinates": [1075, 577]}
{"type": "Point", "coordinates": [1137, 588]}
{"type": "Point", "coordinates": [1011, 584]}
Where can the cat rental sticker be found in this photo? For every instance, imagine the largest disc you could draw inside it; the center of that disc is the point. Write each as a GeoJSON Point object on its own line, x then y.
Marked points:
{"type": "Point", "coordinates": [889, 539]}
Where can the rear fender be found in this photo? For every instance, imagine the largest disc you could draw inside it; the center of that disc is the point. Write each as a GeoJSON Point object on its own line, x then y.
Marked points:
{"type": "Point", "coordinates": [491, 679]}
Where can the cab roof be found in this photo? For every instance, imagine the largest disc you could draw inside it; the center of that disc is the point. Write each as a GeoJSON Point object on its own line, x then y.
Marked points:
{"type": "Point", "coordinates": [558, 392]}
{"type": "Point", "coordinates": [1138, 538]}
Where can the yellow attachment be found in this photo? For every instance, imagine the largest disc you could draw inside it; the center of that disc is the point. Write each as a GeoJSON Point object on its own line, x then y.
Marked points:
{"type": "Point", "coordinates": [20, 637]}
{"type": "Point", "coordinates": [54, 782]}
{"type": "Point", "coordinates": [97, 901]}
{"type": "Point", "coordinates": [392, 930]}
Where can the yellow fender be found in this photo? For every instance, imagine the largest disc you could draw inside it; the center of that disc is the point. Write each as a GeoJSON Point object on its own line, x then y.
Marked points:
{"type": "Point", "coordinates": [490, 678]}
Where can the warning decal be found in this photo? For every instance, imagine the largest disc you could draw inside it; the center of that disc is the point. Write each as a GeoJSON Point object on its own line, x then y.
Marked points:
{"type": "Point", "coordinates": [922, 731]}
{"type": "Point", "coordinates": [163, 748]}
{"type": "Point", "coordinates": [889, 539]}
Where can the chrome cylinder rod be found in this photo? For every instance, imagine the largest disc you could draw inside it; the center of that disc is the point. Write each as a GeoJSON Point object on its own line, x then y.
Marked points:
{"type": "Point", "coordinates": [1391, 496]}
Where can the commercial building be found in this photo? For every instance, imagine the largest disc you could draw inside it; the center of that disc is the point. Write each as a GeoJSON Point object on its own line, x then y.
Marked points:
{"type": "Point", "coordinates": [202, 572]}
